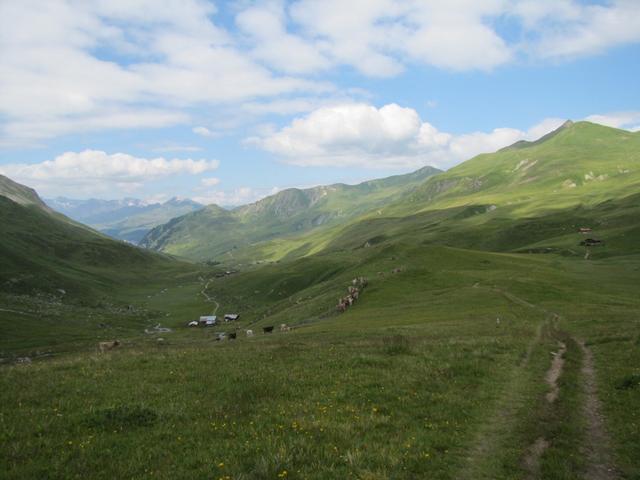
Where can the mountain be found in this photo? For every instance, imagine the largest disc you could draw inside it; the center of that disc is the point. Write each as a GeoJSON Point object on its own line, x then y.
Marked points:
{"type": "Point", "coordinates": [530, 196]}
{"type": "Point", "coordinates": [126, 219]}
{"type": "Point", "coordinates": [19, 194]}
{"type": "Point", "coordinates": [213, 233]}
{"type": "Point", "coordinates": [43, 251]}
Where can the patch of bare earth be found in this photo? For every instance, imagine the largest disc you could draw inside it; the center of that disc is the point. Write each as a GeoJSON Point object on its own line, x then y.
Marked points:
{"type": "Point", "coordinates": [597, 445]}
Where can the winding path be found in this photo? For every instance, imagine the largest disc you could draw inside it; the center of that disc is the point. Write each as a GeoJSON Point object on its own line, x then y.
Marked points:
{"type": "Point", "coordinates": [204, 293]}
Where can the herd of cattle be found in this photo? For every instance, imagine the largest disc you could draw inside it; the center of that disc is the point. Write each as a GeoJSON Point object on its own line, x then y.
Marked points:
{"type": "Point", "coordinates": [108, 346]}
{"type": "Point", "coordinates": [354, 291]}
{"type": "Point", "coordinates": [249, 333]}
{"type": "Point", "coordinates": [357, 285]}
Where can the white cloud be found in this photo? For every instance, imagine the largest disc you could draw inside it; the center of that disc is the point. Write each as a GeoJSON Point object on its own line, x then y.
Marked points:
{"type": "Point", "coordinates": [210, 182]}
{"type": "Point", "coordinates": [386, 137]}
{"type": "Point", "coordinates": [204, 132]}
{"type": "Point", "coordinates": [93, 170]}
{"type": "Point", "coordinates": [266, 26]}
{"type": "Point", "coordinates": [69, 66]}
{"type": "Point", "coordinates": [570, 28]}
{"type": "Point", "coordinates": [627, 120]}
{"type": "Point", "coordinates": [176, 148]}
{"type": "Point", "coordinates": [235, 197]}
{"type": "Point", "coordinates": [53, 82]}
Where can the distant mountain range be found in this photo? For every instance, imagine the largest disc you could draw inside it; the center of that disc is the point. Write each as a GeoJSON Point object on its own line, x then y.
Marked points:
{"type": "Point", "coordinates": [214, 232]}
{"type": "Point", "coordinates": [126, 219]}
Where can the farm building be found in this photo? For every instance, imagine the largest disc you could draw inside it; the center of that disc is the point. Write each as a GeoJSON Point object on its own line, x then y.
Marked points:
{"type": "Point", "coordinates": [230, 317]}
{"type": "Point", "coordinates": [585, 230]}
{"type": "Point", "coordinates": [208, 320]}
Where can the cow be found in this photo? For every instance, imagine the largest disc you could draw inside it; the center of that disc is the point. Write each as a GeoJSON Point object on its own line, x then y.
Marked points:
{"type": "Point", "coordinates": [267, 329]}
{"type": "Point", "coordinates": [106, 346]}
{"type": "Point", "coordinates": [284, 327]}
{"type": "Point", "coordinates": [249, 333]}
{"type": "Point", "coordinates": [232, 336]}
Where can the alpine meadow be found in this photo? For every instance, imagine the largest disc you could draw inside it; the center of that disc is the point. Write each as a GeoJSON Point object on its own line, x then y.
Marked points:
{"type": "Point", "coordinates": [356, 294]}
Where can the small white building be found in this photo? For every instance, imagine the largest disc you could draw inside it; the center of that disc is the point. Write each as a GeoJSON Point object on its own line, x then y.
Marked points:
{"type": "Point", "coordinates": [231, 317]}
{"type": "Point", "coordinates": [208, 320]}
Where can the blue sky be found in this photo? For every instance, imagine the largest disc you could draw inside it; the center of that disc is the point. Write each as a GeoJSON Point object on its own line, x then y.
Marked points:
{"type": "Point", "coordinates": [226, 102]}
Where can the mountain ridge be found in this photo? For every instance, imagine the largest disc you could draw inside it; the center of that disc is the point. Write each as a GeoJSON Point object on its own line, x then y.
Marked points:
{"type": "Point", "coordinates": [287, 212]}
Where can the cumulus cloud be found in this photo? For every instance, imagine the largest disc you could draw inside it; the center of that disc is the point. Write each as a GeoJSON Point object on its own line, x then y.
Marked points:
{"type": "Point", "coordinates": [94, 170]}
{"type": "Point", "coordinates": [386, 137]}
{"type": "Point", "coordinates": [53, 81]}
{"type": "Point", "coordinates": [68, 67]}
{"type": "Point", "coordinates": [266, 25]}
{"type": "Point", "coordinates": [571, 28]}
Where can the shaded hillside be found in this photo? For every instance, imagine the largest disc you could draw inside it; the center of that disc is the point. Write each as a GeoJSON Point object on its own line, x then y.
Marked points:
{"type": "Point", "coordinates": [42, 251]}
{"type": "Point", "coordinates": [215, 233]}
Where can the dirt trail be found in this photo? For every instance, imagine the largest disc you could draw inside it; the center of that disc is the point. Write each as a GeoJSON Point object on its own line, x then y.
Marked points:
{"type": "Point", "coordinates": [203, 292]}
{"type": "Point", "coordinates": [485, 444]}
{"type": "Point", "coordinates": [597, 449]}
{"type": "Point", "coordinates": [535, 451]}
{"type": "Point", "coordinates": [597, 445]}
{"type": "Point", "coordinates": [554, 372]}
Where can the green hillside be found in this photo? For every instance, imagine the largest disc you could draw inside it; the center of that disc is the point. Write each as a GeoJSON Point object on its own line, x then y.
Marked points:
{"type": "Point", "coordinates": [535, 196]}
{"type": "Point", "coordinates": [215, 233]}
{"type": "Point", "coordinates": [483, 346]}
{"type": "Point", "coordinates": [59, 280]}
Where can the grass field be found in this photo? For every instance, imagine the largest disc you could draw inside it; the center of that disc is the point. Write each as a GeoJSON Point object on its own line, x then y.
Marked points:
{"type": "Point", "coordinates": [485, 345]}
{"type": "Point", "coordinates": [417, 380]}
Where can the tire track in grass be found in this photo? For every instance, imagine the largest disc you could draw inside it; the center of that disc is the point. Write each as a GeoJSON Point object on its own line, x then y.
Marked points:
{"type": "Point", "coordinates": [535, 451]}
{"type": "Point", "coordinates": [597, 448]}
{"type": "Point", "coordinates": [486, 444]}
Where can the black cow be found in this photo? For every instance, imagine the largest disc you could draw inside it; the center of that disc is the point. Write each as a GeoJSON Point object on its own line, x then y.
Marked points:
{"type": "Point", "coordinates": [267, 329]}
{"type": "Point", "coordinates": [232, 336]}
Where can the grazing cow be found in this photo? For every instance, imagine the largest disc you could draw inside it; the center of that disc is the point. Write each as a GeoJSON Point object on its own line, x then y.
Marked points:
{"type": "Point", "coordinates": [249, 333]}
{"type": "Point", "coordinates": [284, 327]}
{"type": "Point", "coordinates": [232, 336]}
{"type": "Point", "coordinates": [267, 329]}
{"type": "Point", "coordinates": [106, 346]}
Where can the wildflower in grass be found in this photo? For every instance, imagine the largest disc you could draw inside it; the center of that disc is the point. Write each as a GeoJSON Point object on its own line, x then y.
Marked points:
{"type": "Point", "coordinates": [282, 474]}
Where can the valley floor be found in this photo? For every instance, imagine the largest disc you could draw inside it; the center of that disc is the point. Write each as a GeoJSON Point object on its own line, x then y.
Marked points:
{"type": "Point", "coordinates": [498, 366]}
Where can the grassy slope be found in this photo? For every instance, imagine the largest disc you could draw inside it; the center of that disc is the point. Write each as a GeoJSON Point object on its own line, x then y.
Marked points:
{"type": "Point", "coordinates": [509, 200]}
{"type": "Point", "coordinates": [59, 282]}
{"type": "Point", "coordinates": [417, 380]}
{"type": "Point", "coordinates": [420, 360]}
{"type": "Point", "coordinates": [215, 233]}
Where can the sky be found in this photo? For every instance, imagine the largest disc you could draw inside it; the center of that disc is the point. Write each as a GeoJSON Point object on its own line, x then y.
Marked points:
{"type": "Point", "coordinates": [227, 102]}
